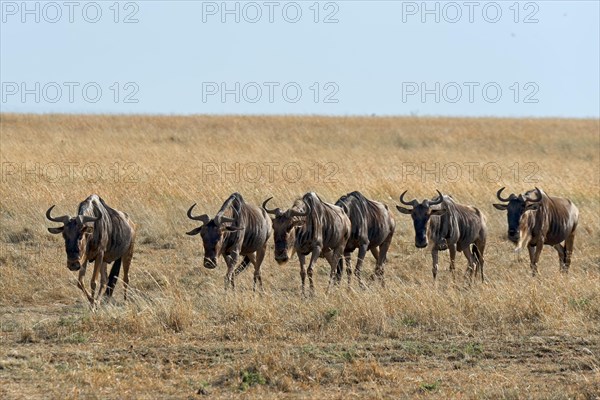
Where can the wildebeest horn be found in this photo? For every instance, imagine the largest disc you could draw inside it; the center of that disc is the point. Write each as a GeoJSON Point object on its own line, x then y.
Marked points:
{"type": "Point", "coordinates": [295, 213]}
{"type": "Point", "coordinates": [413, 202]}
{"type": "Point", "coordinates": [275, 211]}
{"type": "Point", "coordinates": [62, 219]}
{"type": "Point", "coordinates": [219, 219]}
{"type": "Point", "coordinates": [85, 219]}
{"type": "Point", "coordinates": [498, 194]}
{"type": "Point", "coordinates": [203, 218]}
{"type": "Point", "coordinates": [539, 196]}
{"type": "Point", "coordinates": [438, 200]}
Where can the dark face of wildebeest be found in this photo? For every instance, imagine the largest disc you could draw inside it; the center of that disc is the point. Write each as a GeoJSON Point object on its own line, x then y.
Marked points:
{"type": "Point", "coordinates": [420, 213]}
{"type": "Point", "coordinates": [515, 208]}
{"type": "Point", "coordinates": [212, 232]}
{"type": "Point", "coordinates": [284, 229]}
{"type": "Point", "coordinates": [76, 232]}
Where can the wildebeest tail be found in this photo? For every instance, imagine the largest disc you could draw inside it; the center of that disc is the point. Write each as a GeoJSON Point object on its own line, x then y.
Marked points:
{"type": "Point", "coordinates": [477, 255]}
{"type": "Point", "coordinates": [339, 270]}
{"type": "Point", "coordinates": [113, 277]}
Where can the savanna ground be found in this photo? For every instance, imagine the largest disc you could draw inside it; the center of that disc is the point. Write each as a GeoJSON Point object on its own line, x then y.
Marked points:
{"type": "Point", "coordinates": [180, 335]}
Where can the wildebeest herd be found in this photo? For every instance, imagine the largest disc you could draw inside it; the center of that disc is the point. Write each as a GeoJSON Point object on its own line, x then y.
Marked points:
{"type": "Point", "coordinates": [312, 227]}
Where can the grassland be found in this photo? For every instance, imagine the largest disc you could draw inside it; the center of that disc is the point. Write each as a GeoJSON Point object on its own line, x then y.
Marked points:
{"type": "Point", "coordinates": [182, 336]}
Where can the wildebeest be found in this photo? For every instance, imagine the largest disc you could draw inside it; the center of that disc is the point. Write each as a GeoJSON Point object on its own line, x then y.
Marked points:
{"type": "Point", "coordinates": [310, 226]}
{"type": "Point", "coordinates": [101, 234]}
{"type": "Point", "coordinates": [536, 221]}
{"type": "Point", "coordinates": [454, 226]}
{"type": "Point", "coordinates": [372, 228]}
{"type": "Point", "coordinates": [238, 229]}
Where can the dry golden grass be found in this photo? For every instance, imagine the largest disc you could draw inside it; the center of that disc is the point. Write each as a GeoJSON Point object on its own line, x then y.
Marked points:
{"type": "Point", "coordinates": [182, 336]}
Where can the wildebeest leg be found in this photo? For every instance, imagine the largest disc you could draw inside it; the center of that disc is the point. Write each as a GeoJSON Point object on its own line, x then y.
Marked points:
{"type": "Point", "coordinates": [561, 256]}
{"type": "Point", "coordinates": [257, 261]}
{"type": "Point", "coordinates": [251, 259]}
{"type": "Point", "coordinates": [81, 285]}
{"type": "Point", "coordinates": [434, 256]}
{"type": "Point", "coordinates": [348, 261]}
{"type": "Point", "coordinates": [313, 259]}
{"type": "Point", "coordinates": [452, 250]}
{"type": "Point", "coordinates": [103, 277]}
{"type": "Point", "coordinates": [382, 258]}
{"type": "Point", "coordinates": [471, 262]}
{"type": "Point", "coordinates": [337, 258]}
{"type": "Point", "coordinates": [97, 264]}
{"type": "Point", "coordinates": [376, 255]}
{"type": "Point", "coordinates": [480, 245]}
{"type": "Point", "coordinates": [339, 270]}
{"type": "Point", "coordinates": [536, 256]}
{"type": "Point", "coordinates": [302, 259]}
{"type": "Point", "coordinates": [94, 278]}
{"type": "Point", "coordinates": [113, 277]}
{"type": "Point", "coordinates": [242, 267]}
{"type": "Point", "coordinates": [333, 264]}
{"type": "Point", "coordinates": [569, 250]}
{"type": "Point", "coordinates": [336, 262]}
{"type": "Point", "coordinates": [126, 263]}
{"type": "Point", "coordinates": [231, 261]}
{"type": "Point", "coordinates": [362, 252]}
{"type": "Point", "coordinates": [531, 250]}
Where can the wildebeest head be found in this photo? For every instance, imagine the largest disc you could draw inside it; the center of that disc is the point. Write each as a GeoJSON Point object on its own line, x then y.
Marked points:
{"type": "Point", "coordinates": [212, 231]}
{"type": "Point", "coordinates": [76, 231]}
{"type": "Point", "coordinates": [420, 213]}
{"type": "Point", "coordinates": [515, 209]}
{"type": "Point", "coordinates": [284, 228]}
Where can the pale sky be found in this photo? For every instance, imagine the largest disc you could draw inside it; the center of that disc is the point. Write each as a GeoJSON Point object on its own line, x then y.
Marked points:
{"type": "Point", "coordinates": [479, 58]}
